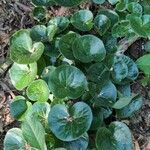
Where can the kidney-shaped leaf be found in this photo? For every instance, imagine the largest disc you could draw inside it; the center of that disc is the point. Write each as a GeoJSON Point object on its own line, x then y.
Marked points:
{"type": "Point", "coordinates": [38, 91]}
{"type": "Point", "coordinates": [67, 81]}
{"type": "Point", "coordinates": [34, 133]}
{"type": "Point", "coordinates": [65, 44]}
{"type": "Point", "coordinates": [22, 75]}
{"type": "Point", "coordinates": [116, 137]}
{"type": "Point", "coordinates": [82, 20]}
{"type": "Point", "coordinates": [22, 50]}
{"type": "Point", "coordinates": [89, 48]}
{"type": "Point", "coordinates": [69, 124]}
{"type": "Point", "coordinates": [14, 140]}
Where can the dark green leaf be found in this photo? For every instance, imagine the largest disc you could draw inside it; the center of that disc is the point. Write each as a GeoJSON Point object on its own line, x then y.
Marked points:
{"type": "Point", "coordinates": [69, 124]}
{"type": "Point", "coordinates": [82, 20]}
{"type": "Point", "coordinates": [68, 3]}
{"type": "Point", "coordinates": [147, 46]}
{"type": "Point", "coordinates": [89, 48]}
{"type": "Point", "coordinates": [69, 80]}
{"type": "Point", "coordinates": [39, 13]}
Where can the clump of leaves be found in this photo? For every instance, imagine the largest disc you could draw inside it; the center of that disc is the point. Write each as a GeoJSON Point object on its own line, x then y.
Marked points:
{"type": "Point", "coordinates": [74, 78]}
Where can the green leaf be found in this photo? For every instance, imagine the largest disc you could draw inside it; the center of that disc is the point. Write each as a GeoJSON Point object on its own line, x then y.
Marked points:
{"type": "Point", "coordinates": [89, 48]}
{"type": "Point", "coordinates": [34, 133]}
{"type": "Point", "coordinates": [144, 63]}
{"type": "Point", "coordinates": [125, 90]}
{"type": "Point", "coordinates": [51, 31]}
{"type": "Point", "coordinates": [141, 25]}
{"type": "Point", "coordinates": [82, 20]}
{"type": "Point", "coordinates": [38, 33]}
{"type": "Point", "coordinates": [98, 73]}
{"type": "Point", "coordinates": [39, 14]}
{"type": "Point", "coordinates": [98, 1]}
{"type": "Point", "coordinates": [22, 50]}
{"type": "Point", "coordinates": [18, 107]}
{"type": "Point", "coordinates": [102, 24]}
{"type": "Point", "coordinates": [123, 101]}
{"type": "Point", "coordinates": [112, 15]}
{"type": "Point", "coordinates": [147, 46]}
{"type": "Point", "coordinates": [121, 6]}
{"type": "Point", "coordinates": [22, 75]}
{"type": "Point", "coordinates": [60, 22]}
{"type": "Point", "coordinates": [116, 137]}
{"type": "Point", "coordinates": [135, 8]}
{"type": "Point", "coordinates": [38, 91]}
{"type": "Point", "coordinates": [79, 144]}
{"type": "Point", "coordinates": [69, 124]}
{"type": "Point", "coordinates": [130, 109]}
{"type": "Point", "coordinates": [122, 29]}
{"type": "Point", "coordinates": [106, 95]}
{"type": "Point", "coordinates": [69, 80]}
{"type": "Point", "coordinates": [124, 70]}
{"type": "Point", "coordinates": [68, 3]}
{"type": "Point", "coordinates": [113, 2]}
{"type": "Point", "coordinates": [14, 140]}
{"type": "Point", "coordinates": [41, 2]}
{"type": "Point", "coordinates": [65, 44]}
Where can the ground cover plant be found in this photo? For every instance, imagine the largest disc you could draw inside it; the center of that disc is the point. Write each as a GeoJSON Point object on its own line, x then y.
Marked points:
{"type": "Point", "coordinates": [75, 79]}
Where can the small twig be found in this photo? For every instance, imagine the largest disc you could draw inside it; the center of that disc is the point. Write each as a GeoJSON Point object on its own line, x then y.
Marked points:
{"type": "Point", "coordinates": [24, 7]}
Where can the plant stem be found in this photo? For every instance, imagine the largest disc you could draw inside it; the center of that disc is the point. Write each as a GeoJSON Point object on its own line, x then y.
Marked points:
{"type": "Point", "coordinates": [125, 43]}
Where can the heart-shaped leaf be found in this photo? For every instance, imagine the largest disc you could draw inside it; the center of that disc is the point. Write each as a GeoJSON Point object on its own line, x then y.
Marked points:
{"type": "Point", "coordinates": [22, 75]}
{"type": "Point", "coordinates": [102, 24]}
{"type": "Point", "coordinates": [38, 91]}
{"type": "Point", "coordinates": [65, 44]}
{"type": "Point", "coordinates": [89, 48]}
{"type": "Point", "coordinates": [82, 20]}
{"type": "Point", "coordinates": [69, 124]}
{"type": "Point", "coordinates": [116, 137]}
{"type": "Point", "coordinates": [14, 140]}
{"type": "Point", "coordinates": [34, 133]}
{"type": "Point", "coordinates": [69, 80]}
{"type": "Point", "coordinates": [22, 50]}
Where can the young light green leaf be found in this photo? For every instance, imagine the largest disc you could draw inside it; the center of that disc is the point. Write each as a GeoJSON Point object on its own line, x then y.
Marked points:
{"type": "Point", "coordinates": [14, 140]}
{"type": "Point", "coordinates": [82, 20]}
{"type": "Point", "coordinates": [38, 91]}
{"type": "Point", "coordinates": [51, 31]}
{"type": "Point", "coordinates": [22, 49]}
{"type": "Point", "coordinates": [89, 48]}
{"type": "Point", "coordinates": [22, 75]}
{"type": "Point", "coordinates": [34, 133]}
{"type": "Point", "coordinates": [73, 121]}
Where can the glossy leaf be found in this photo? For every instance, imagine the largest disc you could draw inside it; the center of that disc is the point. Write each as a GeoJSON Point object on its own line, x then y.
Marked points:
{"type": "Point", "coordinates": [102, 24]}
{"type": "Point", "coordinates": [130, 109]}
{"type": "Point", "coordinates": [73, 121]}
{"type": "Point", "coordinates": [82, 20]}
{"type": "Point", "coordinates": [22, 75]}
{"type": "Point", "coordinates": [60, 22]}
{"type": "Point", "coordinates": [69, 80]}
{"type": "Point", "coordinates": [38, 33]}
{"type": "Point", "coordinates": [34, 133]}
{"type": "Point", "coordinates": [89, 48]}
{"type": "Point", "coordinates": [65, 44]}
{"type": "Point", "coordinates": [22, 49]}
{"type": "Point", "coordinates": [38, 91]}
{"type": "Point", "coordinates": [117, 136]}
{"type": "Point", "coordinates": [14, 140]}
{"type": "Point", "coordinates": [51, 31]}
